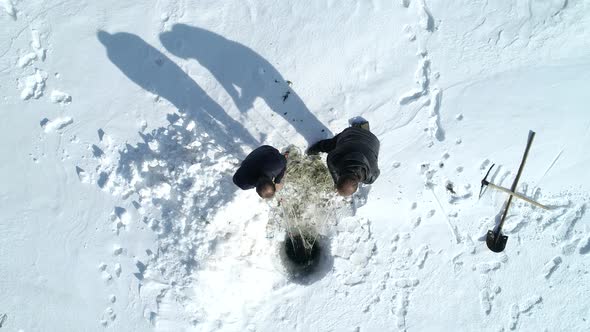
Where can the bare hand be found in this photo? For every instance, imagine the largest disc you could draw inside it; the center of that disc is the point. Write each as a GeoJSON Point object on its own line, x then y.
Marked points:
{"type": "Point", "coordinates": [278, 186]}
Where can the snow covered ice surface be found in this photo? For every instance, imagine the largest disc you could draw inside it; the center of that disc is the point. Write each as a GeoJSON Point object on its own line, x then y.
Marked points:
{"type": "Point", "coordinates": [123, 123]}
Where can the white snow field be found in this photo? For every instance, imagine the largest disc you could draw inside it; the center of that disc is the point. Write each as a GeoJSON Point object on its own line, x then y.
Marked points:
{"type": "Point", "coordinates": [124, 121]}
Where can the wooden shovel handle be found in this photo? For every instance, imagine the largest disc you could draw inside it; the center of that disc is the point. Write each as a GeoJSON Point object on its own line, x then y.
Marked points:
{"type": "Point", "coordinates": [517, 195]}
{"type": "Point", "coordinates": [515, 183]}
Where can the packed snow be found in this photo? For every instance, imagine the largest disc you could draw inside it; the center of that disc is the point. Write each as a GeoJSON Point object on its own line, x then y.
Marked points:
{"type": "Point", "coordinates": [124, 123]}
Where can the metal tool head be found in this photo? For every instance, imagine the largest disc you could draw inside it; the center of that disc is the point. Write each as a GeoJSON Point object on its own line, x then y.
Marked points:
{"type": "Point", "coordinates": [484, 182]}
{"type": "Point", "coordinates": [496, 241]}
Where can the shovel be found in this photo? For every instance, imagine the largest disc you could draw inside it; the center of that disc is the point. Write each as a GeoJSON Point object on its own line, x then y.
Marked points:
{"type": "Point", "coordinates": [495, 240]}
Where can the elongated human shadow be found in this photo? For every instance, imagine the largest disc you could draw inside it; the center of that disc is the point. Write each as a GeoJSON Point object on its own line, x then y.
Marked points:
{"type": "Point", "coordinates": [154, 72]}
{"type": "Point", "coordinates": [191, 160]}
{"type": "Point", "coordinates": [245, 75]}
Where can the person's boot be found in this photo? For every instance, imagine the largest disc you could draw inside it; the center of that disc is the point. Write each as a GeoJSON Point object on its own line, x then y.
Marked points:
{"type": "Point", "coordinates": [363, 125]}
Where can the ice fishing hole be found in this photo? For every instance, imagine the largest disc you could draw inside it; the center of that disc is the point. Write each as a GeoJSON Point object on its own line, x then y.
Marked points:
{"type": "Point", "coordinates": [306, 264]}
{"type": "Point", "coordinates": [302, 251]}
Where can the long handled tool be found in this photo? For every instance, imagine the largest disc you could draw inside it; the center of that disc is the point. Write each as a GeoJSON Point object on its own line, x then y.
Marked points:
{"type": "Point", "coordinates": [485, 183]}
{"type": "Point", "coordinates": [495, 240]}
{"type": "Point", "coordinates": [517, 195]}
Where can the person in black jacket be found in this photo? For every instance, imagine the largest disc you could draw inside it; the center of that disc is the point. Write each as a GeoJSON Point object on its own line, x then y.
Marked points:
{"type": "Point", "coordinates": [262, 169]}
{"type": "Point", "coordinates": [352, 157]}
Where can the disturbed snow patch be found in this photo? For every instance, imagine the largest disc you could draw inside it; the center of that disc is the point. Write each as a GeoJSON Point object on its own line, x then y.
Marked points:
{"type": "Point", "coordinates": [176, 178]}
{"type": "Point", "coordinates": [305, 209]}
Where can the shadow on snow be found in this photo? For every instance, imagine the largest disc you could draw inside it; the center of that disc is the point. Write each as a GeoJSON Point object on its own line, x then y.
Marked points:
{"type": "Point", "coordinates": [185, 169]}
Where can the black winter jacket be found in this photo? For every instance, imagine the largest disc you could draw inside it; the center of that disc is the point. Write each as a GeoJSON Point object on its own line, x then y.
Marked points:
{"type": "Point", "coordinates": [264, 161]}
{"type": "Point", "coordinates": [353, 151]}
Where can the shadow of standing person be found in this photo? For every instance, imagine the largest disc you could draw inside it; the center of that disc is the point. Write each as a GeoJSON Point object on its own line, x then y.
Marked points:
{"type": "Point", "coordinates": [166, 155]}
{"type": "Point", "coordinates": [245, 75]}
{"type": "Point", "coordinates": [154, 72]}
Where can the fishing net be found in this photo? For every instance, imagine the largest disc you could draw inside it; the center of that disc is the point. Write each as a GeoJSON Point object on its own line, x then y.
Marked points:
{"type": "Point", "coordinates": [306, 206]}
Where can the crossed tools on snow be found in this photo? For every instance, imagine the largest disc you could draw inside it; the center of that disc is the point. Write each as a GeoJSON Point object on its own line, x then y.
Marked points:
{"type": "Point", "coordinates": [495, 240]}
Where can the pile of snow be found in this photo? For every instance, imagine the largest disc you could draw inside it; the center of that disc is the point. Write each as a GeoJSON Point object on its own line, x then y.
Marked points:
{"type": "Point", "coordinates": [125, 123]}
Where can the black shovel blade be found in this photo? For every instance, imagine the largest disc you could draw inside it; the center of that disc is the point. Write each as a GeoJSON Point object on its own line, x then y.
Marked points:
{"type": "Point", "coordinates": [496, 242]}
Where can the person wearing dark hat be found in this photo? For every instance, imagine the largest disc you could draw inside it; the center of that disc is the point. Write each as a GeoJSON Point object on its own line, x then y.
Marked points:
{"type": "Point", "coordinates": [262, 169]}
{"type": "Point", "coordinates": [352, 157]}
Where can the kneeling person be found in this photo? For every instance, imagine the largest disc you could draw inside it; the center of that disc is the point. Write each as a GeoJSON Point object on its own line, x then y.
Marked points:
{"type": "Point", "coordinates": [262, 169]}
{"type": "Point", "coordinates": [352, 157]}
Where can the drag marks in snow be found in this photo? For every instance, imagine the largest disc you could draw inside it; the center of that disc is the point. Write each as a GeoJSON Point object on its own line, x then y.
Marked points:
{"type": "Point", "coordinates": [425, 81]}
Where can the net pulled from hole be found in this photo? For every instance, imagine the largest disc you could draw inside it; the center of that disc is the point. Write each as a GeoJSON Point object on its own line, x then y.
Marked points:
{"type": "Point", "coordinates": [306, 205]}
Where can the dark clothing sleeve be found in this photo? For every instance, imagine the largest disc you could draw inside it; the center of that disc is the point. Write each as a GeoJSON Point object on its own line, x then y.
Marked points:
{"type": "Point", "coordinates": [325, 145]}
{"type": "Point", "coordinates": [264, 161]}
{"type": "Point", "coordinates": [355, 153]}
{"type": "Point", "coordinates": [243, 180]}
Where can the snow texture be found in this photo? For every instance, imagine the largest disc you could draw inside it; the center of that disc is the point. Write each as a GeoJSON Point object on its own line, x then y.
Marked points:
{"type": "Point", "coordinates": [58, 97]}
{"type": "Point", "coordinates": [124, 122]}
